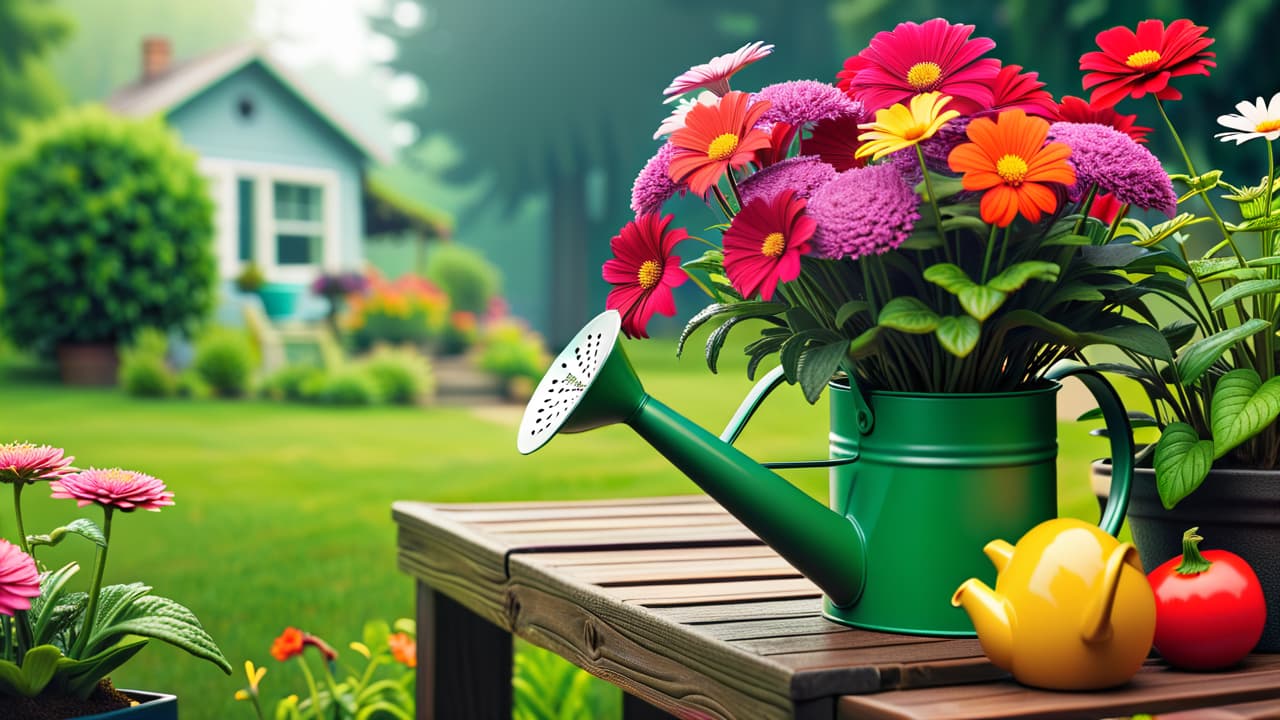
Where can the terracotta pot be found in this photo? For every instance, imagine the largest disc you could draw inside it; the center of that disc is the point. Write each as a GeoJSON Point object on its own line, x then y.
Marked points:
{"type": "Point", "coordinates": [88, 363]}
{"type": "Point", "coordinates": [151, 706]}
{"type": "Point", "coordinates": [1236, 510]}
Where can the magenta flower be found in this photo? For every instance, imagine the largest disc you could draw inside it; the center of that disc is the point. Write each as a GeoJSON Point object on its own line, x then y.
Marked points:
{"type": "Point", "coordinates": [124, 490]}
{"type": "Point", "coordinates": [19, 580]}
{"type": "Point", "coordinates": [714, 75]}
{"type": "Point", "coordinates": [27, 463]}
{"type": "Point", "coordinates": [864, 211]}
{"type": "Point", "coordinates": [653, 187]}
{"type": "Point", "coordinates": [1110, 159]}
{"type": "Point", "coordinates": [763, 245]}
{"type": "Point", "coordinates": [913, 59]}
{"type": "Point", "coordinates": [1023, 90]}
{"type": "Point", "coordinates": [1076, 110]}
{"type": "Point", "coordinates": [800, 102]}
{"type": "Point", "coordinates": [643, 271]}
{"type": "Point", "coordinates": [836, 142]}
{"type": "Point", "coordinates": [802, 174]}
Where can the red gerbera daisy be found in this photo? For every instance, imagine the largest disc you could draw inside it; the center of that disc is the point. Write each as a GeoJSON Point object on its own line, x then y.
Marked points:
{"type": "Point", "coordinates": [644, 271]}
{"type": "Point", "coordinates": [1009, 160]}
{"type": "Point", "coordinates": [1135, 64]}
{"type": "Point", "coordinates": [716, 138]}
{"type": "Point", "coordinates": [1016, 89]}
{"type": "Point", "coordinates": [1105, 207]}
{"type": "Point", "coordinates": [763, 245]}
{"type": "Point", "coordinates": [1076, 110]}
{"type": "Point", "coordinates": [836, 142]}
{"type": "Point", "coordinates": [781, 136]}
{"type": "Point", "coordinates": [912, 59]}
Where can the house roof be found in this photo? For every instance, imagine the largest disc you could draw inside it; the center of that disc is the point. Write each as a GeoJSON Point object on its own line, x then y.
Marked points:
{"type": "Point", "coordinates": [187, 79]}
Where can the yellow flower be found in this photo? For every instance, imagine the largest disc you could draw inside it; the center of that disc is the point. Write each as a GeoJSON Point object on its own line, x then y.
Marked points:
{"type": "Point", "coordinates": [255, 678]}
{"type": "Point", "coordinates": [897, 127]}
{"type": "Point", "coordinates": [242, 695]}
{"type": "Point", "coordinates": [362, 649]}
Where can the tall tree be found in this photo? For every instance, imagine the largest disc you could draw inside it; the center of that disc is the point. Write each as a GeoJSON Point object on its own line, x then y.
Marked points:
{"type": "Point", "coordinates": [29, 29]}
{"type": "Point", "coordinates": [561, 97]}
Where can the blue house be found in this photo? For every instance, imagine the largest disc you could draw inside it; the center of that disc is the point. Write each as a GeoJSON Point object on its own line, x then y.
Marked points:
{"type": "Point", "coordinates": [286, 173]}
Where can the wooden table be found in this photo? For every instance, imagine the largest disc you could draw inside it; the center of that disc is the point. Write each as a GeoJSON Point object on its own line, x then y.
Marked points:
{"type": "Point", "coordinates": [682, 607]}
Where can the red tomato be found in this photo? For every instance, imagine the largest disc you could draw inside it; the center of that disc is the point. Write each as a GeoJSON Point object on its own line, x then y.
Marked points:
{"type": "Point", "coordinates": [1209, 607]}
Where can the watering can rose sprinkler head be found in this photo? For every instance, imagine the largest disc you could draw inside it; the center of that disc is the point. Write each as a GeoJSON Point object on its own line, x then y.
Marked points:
{"type": "Point", "coordinates": [592, 384]}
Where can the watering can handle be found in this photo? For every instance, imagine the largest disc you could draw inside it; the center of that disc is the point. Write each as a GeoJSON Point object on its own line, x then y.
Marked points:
{"type": "Point", "coordinates": [751, 403]}
{"type": "Point", "coordinates": [1120, 432]}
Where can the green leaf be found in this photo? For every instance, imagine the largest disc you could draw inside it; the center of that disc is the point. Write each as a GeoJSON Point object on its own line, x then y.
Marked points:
{"type": "Point", "coordinates": [38, 667]}
{"type": "Point", "coordinates": [715, 340]}
{"type": "Point", "coordinates": [1243, 290]}
{"type": "Point", "coordinates": [1117, 255]}
{"type": "Point", "coordinates": [83, 676]}
{"type": "Point", "coordinates": [949, 277]}
{"type": "Point", "coordinates": [1198, 184]}
{"type": "Point", "coordinates": [850, 310]}
{"type": "Point", "coordinates": [817, 365]}
{"type": "Point", "coordinates": [1242, 406]}
{"type": "Point", "coordinates": [43, 608]}
{"type": "Point", "coordinates": [1200, 355]}
{"type": "Point", "coordinates": [88, 529]}
{"type": "Point", "coordinates": [1147, 236]}
{"type": "Point", "coordinates": [162, 619]}
{"type": "Point", "coordinates": [1070, 240]}
{"type": "Point", "coordinates": [980, 301]}
{"type": "Point", "coordinates": [1211, 266]}
{"type": "Point", "coordinates": [1015, 276]}
{"type": "Point", "coordinates": [1179, 333]}
{"type": "Point", "coordinates": [1142, 339]}
{"type": "Point", "coordinates": [944, 186]}
{"type": "Point", "coordinates": [909, 315]}
{"type": "Point", "coordinates": [1256, 225]}
{"type": "Point", "coordinates": [865, 344]}
{"type": "Point", "coordinates": [1182, 461]}
{"type": "Point", "coordinates": [958, 335]}
{"type": "Point", "coordinates": [966, 222]}
{"type": "Point", "coordinates": [752, 308]}
{"type": "Point", "coordinates": [922, 239]}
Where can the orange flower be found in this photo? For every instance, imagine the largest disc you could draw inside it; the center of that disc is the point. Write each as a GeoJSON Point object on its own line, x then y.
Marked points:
{"type": "Point", "coordinates": [403, 649]}
{"type": "Point", "coordinates": [715, 138]}
{"type": "Point", "coordinates": [1008, 158]}
{"type": "Point", "coordinates": [287, 645]}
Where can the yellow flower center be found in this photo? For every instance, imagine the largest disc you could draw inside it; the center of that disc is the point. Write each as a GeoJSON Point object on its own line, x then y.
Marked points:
{"type": "Point", "coordinates": [1267, 126]}
{"type": "Point", "coordinates": [923, 75]}
{"type": "Point", "coordinates": [1012, 169]}
{"type": "Point", "coordinates": [1142, 59]}
{"type": "Point", "coordinates": [649, 274]}
{"type": "Point", "coordinates": [773, 245]}
{"type": "Point", "coordinates": [722, 147]}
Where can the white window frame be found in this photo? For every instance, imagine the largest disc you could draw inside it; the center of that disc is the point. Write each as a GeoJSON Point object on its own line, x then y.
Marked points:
{"type": "Point", "coordinates": [224, 175]}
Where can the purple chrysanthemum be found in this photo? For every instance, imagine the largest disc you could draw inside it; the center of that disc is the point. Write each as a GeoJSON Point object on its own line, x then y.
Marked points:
{"type": "Point", "coordinates": [864, 211]}
{"type": "Point", "coordinates": [1110, 159]}
{"type": "Point", "coordinates": [804, 174]}
{"type": "Point", "coordinates": [799, 102]}
{"type": "Point", "coordinates": [653, 186]}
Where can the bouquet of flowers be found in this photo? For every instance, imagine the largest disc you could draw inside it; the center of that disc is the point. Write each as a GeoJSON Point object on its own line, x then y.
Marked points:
{"type": "Point", "coordinates": [935, 221]}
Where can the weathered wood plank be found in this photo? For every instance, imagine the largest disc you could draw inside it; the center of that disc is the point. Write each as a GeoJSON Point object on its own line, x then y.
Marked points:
{"type": "Point", "coordinates": [464, 662]}
{"type": "Point", "coordinates": [1261, 710]}
{"type": "Point", "coordinates": [870, 643]}
{"type": "Point", "coordinates": [666, 522]}
{"type": "Point", "coordinates": [671, 555]}
{"type": "Point", "coordinates": [488, 516]}
{"type": "Point", "coordinates": [771, 627]}
{"type": "Point", "coordinates": [694, 614]}
{"type": "Point", "coordinates": [670, 571]}
{"type": "Point", "coordinates": [1155, 689]}
{"type": "Point", "coordinates": [712, 592]}
{"type": "Point", "coordinates": [635, 538]}
{"type": "Point", "coordinates": [608, 503]}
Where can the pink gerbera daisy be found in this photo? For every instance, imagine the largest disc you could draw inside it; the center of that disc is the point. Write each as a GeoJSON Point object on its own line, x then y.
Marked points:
{"type": "Point", "coordinates": [27, 463]}
{"type": "Point", "coordinates": [643, 271]}
{"type": "Point", "coordinates": [1016, 89]}
{"type": "Point", "coordinates": [913, 59]}
{"type": "Point", "coordinates": [763, 245]}
{"type": "Point", "coordinates": [715, 139]}
{"type": "Point", "coordinates": [123, 490]}
{"type": "Point", "coordinates": [714, 75]}
{"type": "Point", "coordinates": [1138, 63]}
{"type": "Point", "coordinates": [1076, 110]}
{"type": "Point", "coordinates": [19, 580]}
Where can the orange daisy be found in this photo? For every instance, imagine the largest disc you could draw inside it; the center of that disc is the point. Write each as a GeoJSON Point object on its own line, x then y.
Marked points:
{"type": "Point", "coordinates": [715, 138]}
{"type": "Point", "coordinates": [1008, 158]}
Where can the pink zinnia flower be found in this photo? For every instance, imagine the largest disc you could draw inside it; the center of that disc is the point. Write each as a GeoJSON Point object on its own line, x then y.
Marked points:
{"type": "Point", "coordinates": [124, 490]}
{"type": "Point", "coordinates": [1110, 159]}
{"type": "Point", "coordinates": [27, 463]}
{"type": "Point", "coordinates": [1016, 89]}
{"type": "Point", "coordinates": [836, 142]}
{"type": "Point", "coordinates": [1138, 63]}
{"type": "Point", "coordinates": [715, 139]}
{"type": "Point", "coordinates": [1076, 110]}
{"type": "Point", "coordinates": [913, 59]}
{"type": "Point", "coordinates": [715, 75]}
{"type": "Point", "coordinates": [644, 271]}
{"type": "Point", "coordinates": [653, 187]}
{"type": "Point", "coordinates": [19, 580]}
{"type": "Point", "coordinates": [803, 174]}
{"type": "Point", "coordinates": [763, 244]}
{"type": "Point", "coordinates": [800, 102]}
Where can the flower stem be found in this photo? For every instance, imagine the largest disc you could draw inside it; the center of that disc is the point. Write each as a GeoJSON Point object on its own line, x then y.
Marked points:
{"type": "Point", "coordinates": [99, 567]}
{"type": "Point", "coordinates": [928, 187]}
{"type": "Point", "coordinates": [17, 516]}
{"type": "Point", "coordinates": [311, 686]}
{"type": "Point", "coordinates": [724, 204]}
{"type": "Point", "coordinates": [1191, 168]}
{"type": "Point", "coordinates": [991, 245]}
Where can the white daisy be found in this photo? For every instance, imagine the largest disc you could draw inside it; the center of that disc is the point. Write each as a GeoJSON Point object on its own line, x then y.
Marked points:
{"type": "Point", "coordinates": [1256, 119]}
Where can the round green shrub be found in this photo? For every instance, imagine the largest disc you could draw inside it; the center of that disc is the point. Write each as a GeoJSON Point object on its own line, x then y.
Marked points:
{"type": "Point", "coordinates": [351, 386]}
{"type": "Point", "coordinates": [225, 359]}
{"type": "Point", "coordinates": [404, 377]}
{"type": "Point", "coordinates": [107, 228]}
{"type": "Point", "coordinates": [189, 384]}
{"type": "Point", "coordinates": [294, 382]}
{"type": "Point", "coordinates": [145, 375]}
{"type": "Point", "coordinates": [512, 351]}
{"type": "Point", "coordinates": [466, 277]}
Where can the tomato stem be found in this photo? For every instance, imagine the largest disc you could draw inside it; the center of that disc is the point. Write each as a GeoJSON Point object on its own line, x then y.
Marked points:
{"type": "Point", "coordinates": [1193, 563]}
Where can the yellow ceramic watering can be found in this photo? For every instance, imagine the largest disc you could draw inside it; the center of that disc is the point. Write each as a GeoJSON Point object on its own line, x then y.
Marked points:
{"type": "Point", "coordinates": [1072, 609]}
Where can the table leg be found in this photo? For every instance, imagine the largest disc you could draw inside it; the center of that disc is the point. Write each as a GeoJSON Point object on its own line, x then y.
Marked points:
{"type": "Point", "coordinates": [633, 708]}
{"type": "Point", "coordinates": [464, 662]}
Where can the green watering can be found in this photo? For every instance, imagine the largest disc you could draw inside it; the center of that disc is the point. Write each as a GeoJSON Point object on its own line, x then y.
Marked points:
{"type": "Point", "coordinates": [919, 482]}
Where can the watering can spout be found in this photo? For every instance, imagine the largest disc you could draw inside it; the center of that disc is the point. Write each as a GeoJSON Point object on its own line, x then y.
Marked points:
{"type": "Point", "coordinates": [990, 615]}
{"type": "Point", "coordinates": [592, 384]}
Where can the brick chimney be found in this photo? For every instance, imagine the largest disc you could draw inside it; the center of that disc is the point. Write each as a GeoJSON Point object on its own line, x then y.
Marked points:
{"type": "Point", "coordinates": [156, 54]}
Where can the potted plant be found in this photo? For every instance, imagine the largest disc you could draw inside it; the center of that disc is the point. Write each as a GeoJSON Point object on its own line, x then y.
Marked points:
{"type": "Point", "coordinates": [927, 241]}
{"type": "Point", "coordinates": [107, 229]}
{"type": "Point", "coordinates": [61, 646]}
{"type": "Point", "coordinates": [335, 288]}
{"type": "Point", "coordinates": [1217, 462]}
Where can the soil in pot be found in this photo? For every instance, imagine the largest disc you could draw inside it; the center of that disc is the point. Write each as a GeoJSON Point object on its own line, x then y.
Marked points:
{"type": "Point", "coordinates": [57, 707]}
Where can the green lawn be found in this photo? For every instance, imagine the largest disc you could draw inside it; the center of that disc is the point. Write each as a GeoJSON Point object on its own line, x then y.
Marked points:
{"type": "Point", "coordinates": [282, 512]}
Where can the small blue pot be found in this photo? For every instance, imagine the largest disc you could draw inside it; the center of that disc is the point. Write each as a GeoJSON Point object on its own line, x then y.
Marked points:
{"type": "Point", "coordinates": [279, 300]}
{"type": "Point", "coordinates": [151, 706]}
